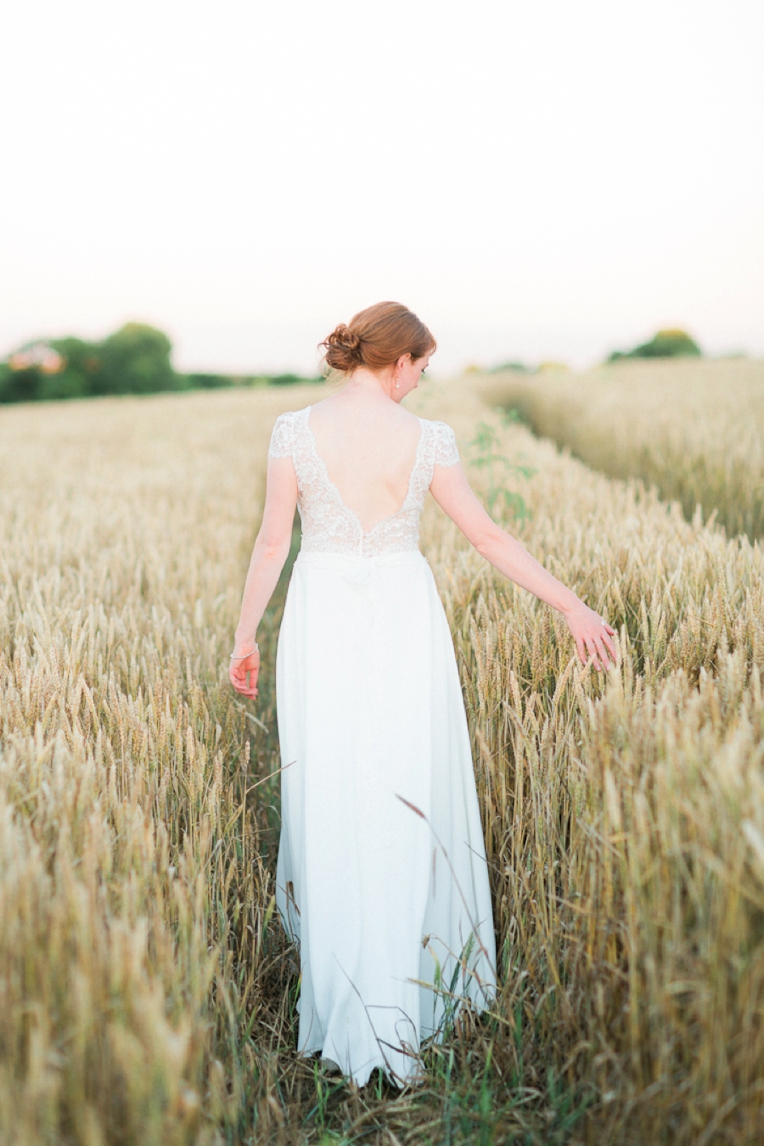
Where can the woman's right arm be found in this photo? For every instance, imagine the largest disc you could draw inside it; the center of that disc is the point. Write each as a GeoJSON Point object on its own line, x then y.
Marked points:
{"type": "Point", "coordinates": [270, 551]}
{"type": "Point", "coordinates": [455, 496]}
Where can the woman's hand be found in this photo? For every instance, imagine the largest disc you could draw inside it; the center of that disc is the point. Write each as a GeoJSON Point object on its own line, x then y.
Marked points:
{"type": "Point", "coordinates": [245, 664]}
{"type": "Point", "coordinates": [592, 636]}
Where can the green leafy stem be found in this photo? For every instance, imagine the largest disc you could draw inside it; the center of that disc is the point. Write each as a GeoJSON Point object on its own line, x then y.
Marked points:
{"type": "Point", "coordinates": [487, 455]}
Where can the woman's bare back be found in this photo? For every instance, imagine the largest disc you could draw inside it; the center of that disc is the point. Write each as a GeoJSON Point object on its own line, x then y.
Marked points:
{"type": "Point", "coordinates": [369, 446]}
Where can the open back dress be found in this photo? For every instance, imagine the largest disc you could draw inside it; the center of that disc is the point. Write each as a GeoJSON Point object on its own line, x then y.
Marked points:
{"type": "Point", "coordinates": [381, 875]}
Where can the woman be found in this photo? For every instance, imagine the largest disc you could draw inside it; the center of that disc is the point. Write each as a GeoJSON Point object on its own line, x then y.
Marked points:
{"type": "Point", "coordinates": [381, 872]}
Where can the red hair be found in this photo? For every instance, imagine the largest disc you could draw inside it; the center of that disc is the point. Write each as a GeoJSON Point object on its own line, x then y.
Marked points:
{"type": "Point", "coordinates": [377, 337]}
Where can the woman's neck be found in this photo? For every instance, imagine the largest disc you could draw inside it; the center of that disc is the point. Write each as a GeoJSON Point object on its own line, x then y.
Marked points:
{"type": "Point", "coordinates": [371, 384]}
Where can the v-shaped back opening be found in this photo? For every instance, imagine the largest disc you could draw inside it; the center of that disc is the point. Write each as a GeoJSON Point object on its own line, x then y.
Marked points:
{"type": "Point", "coordinates": [334, 488]}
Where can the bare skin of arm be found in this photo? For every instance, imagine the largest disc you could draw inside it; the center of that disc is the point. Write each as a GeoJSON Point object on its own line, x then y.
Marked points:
{"type": "Point", "coordinates": [454, 495]}
{"type": "Point", "coordinates": [270, 551]}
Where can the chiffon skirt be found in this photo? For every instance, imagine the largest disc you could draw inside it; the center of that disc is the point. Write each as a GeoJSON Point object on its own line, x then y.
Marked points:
{"type": "Point", "coordinates": [382, 875]}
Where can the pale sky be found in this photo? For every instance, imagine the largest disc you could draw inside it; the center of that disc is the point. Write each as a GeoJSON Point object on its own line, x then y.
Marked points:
{"type": "Point", "coordinates": [545, 179]}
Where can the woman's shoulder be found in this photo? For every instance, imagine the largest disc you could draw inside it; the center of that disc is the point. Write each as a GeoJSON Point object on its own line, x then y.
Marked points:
{"type": "Point", "coordinates": [282, 437]}
{"type": "Point", "coordinates": [289, 417]}
{"type": "Point", "coordinates": [442, 442]}
{"type": "Point", "coordinates": [436, 426]}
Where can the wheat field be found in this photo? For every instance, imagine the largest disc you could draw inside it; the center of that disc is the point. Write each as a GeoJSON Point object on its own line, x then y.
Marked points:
{"type": "Point", "coordinates": [147, 991]}
{"type": "Point", "coordinates": [693, 428]}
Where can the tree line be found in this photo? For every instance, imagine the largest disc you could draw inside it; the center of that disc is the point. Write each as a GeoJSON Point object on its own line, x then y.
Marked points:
{"type": "Point", "coordinates": [136, 359]}
{"type": "Point", "coordinates": [663, 344]}
{"type": "Point", "coordinates": [671, 343]}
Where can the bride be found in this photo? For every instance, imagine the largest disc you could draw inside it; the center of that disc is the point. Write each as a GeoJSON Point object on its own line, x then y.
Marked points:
{"type": "Point", "coordinates": [381, 875]}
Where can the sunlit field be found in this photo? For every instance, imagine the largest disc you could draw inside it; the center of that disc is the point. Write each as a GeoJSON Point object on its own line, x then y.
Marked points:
{"type": "Point", "coordinates": [693, 428]}
{"type": "Point", "coordinates": [147, 991]}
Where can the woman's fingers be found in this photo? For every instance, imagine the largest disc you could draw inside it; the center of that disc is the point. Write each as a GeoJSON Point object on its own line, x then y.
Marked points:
{"type": "Point", "coordinates": [595, 647]}
{"type": "Point", "coordinates": [593, 650]}
{"type": "Point", "coordinates": [610, 644]}
{"type": "Point", "coordinates": [582, 653]}
{"type": "Point", "coordinates": [238, 673]}
{"type": "Point", "coordinates": [239, 683]}
{"type": "Point", "coordinates": [245, 690]}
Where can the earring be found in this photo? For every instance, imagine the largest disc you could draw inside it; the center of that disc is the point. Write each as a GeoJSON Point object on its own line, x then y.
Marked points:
{"type": "Point", "coordinates": [397, 385]}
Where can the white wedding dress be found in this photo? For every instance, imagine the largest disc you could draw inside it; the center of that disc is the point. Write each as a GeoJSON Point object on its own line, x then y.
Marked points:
{"type": "Point", "coordinates": [382, 874]}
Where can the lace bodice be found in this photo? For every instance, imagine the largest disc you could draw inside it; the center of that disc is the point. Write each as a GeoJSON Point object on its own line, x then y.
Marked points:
{"type": "Point", "coordinates": [330, 526]}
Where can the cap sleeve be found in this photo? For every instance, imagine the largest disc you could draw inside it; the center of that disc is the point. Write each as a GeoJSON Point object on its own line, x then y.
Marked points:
{"type": "Point", "coordinates": [445, 450]}
{"type": "Point", "coordinates": [282, 437]}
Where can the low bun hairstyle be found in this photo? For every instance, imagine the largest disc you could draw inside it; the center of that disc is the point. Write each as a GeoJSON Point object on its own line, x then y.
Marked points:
{"type": "Point", "coordinates": [377, 337]}
{"type": "Point", "coordinates": [343, 349]}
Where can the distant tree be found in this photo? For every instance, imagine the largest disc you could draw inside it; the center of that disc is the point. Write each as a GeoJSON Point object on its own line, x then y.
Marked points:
{"type": "Point", "coordinates": [65, 384]}
{"type": "Point", "coordinates": [663, 344]}
{"type": "Point", "coordinates": [19, 384]}
{"type": "Point", "coordinates": [668, 344]}
{"type": "Point", "coordinates": [81, 362]}
{"type": "Point", "coordinates": [135, 360]}
{"type": "Point", "coordinates": [24, 375]}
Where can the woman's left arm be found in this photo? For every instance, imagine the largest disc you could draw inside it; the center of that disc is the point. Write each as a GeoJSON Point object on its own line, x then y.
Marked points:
{"type": "Point", "coordinates": [455, 496]}
{"type": "Point", "coordinates": [269, 554]}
